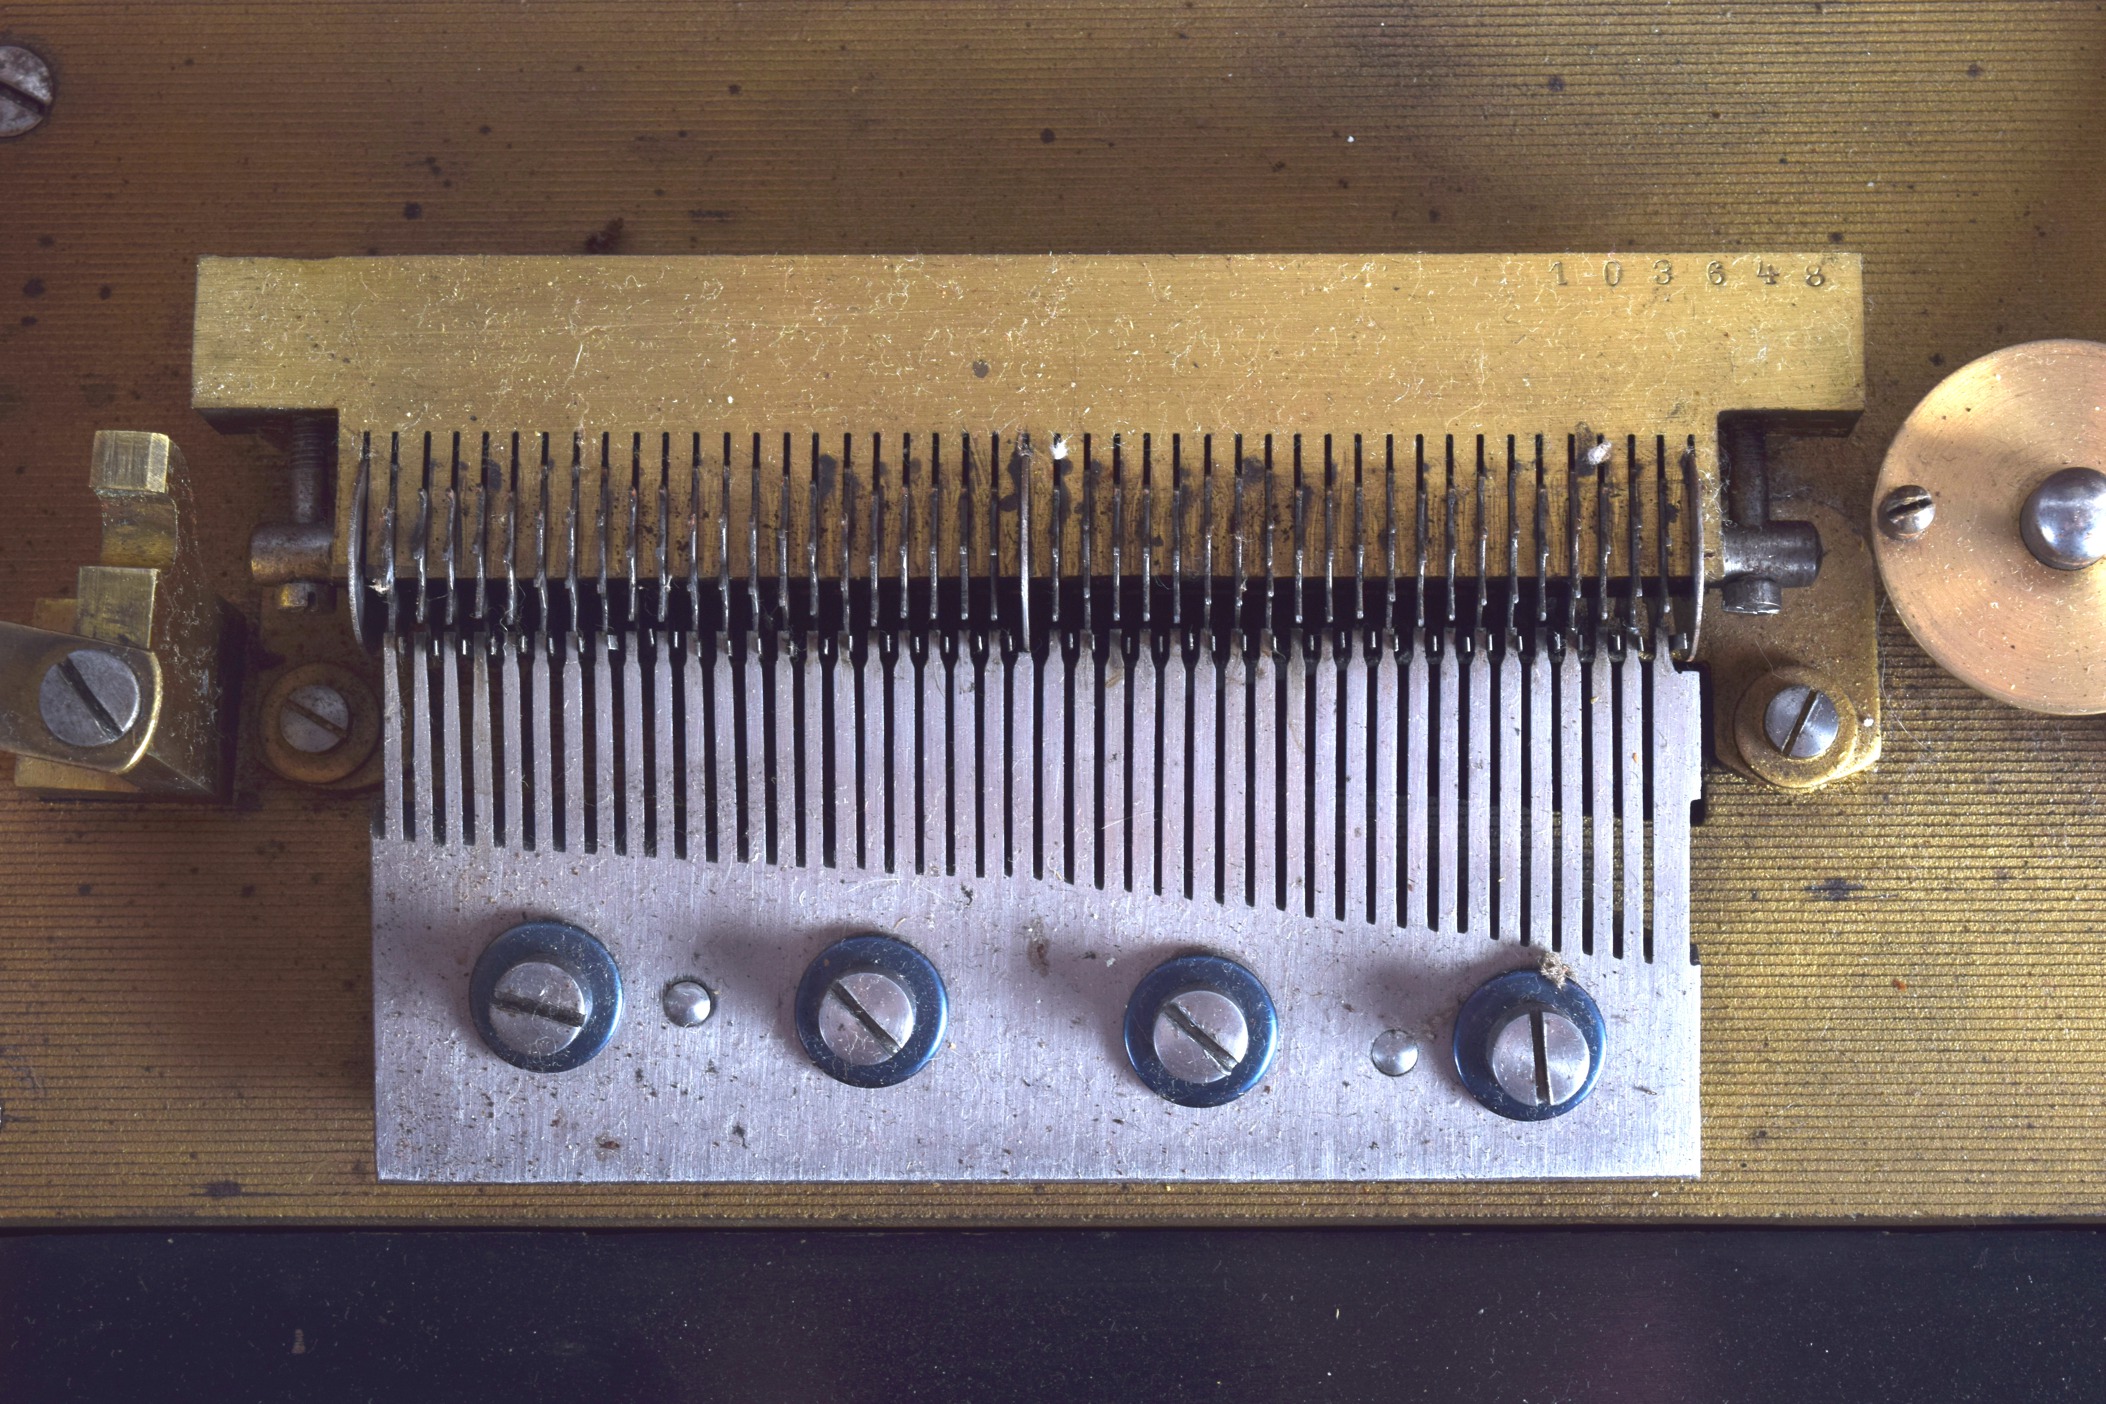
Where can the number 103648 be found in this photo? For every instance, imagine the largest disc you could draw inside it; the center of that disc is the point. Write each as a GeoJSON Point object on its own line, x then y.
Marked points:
{"type": "Point", "coordinates": [1664, 271]}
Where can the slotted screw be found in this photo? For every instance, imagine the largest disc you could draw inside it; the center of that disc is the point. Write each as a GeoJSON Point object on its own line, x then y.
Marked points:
{"type": "Point", "coordinates": [88, 698]}
{"type": "Point", "coordinates": [1906, 512]}
{"type": "Point", "coordinates": [25, 90]}
{"type": "Point", "coordinates": [538, 1008]}
{"type": "Point", "coordinates": [1541, 1058]}
{"type": "Point", "coordinates": [1201, 1036]}
{"type": "Point", "coordinates": [315, 718]}
{"type": "Point", "coordinates": [1801, 722]}
{"type": "Point", "coordinates": [867, 1018]}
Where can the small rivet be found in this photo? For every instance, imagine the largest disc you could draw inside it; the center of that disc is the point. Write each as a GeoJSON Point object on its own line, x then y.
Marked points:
{"type": "Point", "coordinates": [688, 1003]}
{"type": "Point", "coordinates": [1394, 1052]}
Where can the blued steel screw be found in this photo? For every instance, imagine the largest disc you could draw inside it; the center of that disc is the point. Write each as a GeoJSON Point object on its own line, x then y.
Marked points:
{"type": "Point", "coordinates": [88, 698]}
{"type": "Point", "coordinates": [25, 90]}
{"type": "Point", "coordinates": [1906, 512]}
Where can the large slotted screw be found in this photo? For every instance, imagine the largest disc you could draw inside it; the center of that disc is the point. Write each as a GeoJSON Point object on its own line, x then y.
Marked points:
{"type": "Point", "coordinates": [1200, 1031]}
{"type": "Point", "coordinates": [88, 698]}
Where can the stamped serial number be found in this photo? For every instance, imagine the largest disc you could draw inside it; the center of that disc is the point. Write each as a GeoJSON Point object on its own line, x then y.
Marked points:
{"type": "Point", "coordinates": [1663, 271]}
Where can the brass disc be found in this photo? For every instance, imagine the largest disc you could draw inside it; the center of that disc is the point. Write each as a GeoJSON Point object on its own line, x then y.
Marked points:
{"type": "Point", "coordinates": [1967, 586]}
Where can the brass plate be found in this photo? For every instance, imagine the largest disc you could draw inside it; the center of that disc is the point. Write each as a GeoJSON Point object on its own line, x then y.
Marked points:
{"type": "Point", "coordinates": [1905, 1016]}
{"type": "Point", "coordinates": [1967, 587]}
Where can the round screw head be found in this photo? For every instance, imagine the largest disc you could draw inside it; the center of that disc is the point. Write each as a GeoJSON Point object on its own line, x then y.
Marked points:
{"type": "Point", "coordinates": [1801, 722]}
{"type": "Point", "coordinates": [1541, 1058]}
{"type": "Point", "coordinates": [1200, 1030]}
{"type": "Point", "coordinates": [1201, 1036]}
{"type": "Point", "coordinates": [866, 1018]}
{"type": "Point", "coordinates": [538, 1009]}
{"type": "Point", "coordinates": [1394, 1052]}
{"type": "Point", "coordinates": [2064, 520]}
{"type": "Point", "coordinates": [25, 90]}
{"type": "Point", "coordinates": [315, 719]}
{"type": "Point", "coordinates": [546, 996]}
{"type": "Point", "coordinates": [1906, 512]}
{"type": "Point", "coordinates": [88, 698]}
{"type": "Point", "coordinates": [688, 1003]}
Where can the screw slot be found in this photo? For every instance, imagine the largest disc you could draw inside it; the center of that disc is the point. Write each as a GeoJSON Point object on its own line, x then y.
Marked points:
{"type": "Point", "coordinates": [1906, 512]}
{"type": "Point", "coordinates": [1801, 722]}
{"type": "Point", "coordinates": [88, 698]}
{"type": "Point", "coordinates": [25, 91]}
{"type": "Point", "coordinates": [1200, 1031]}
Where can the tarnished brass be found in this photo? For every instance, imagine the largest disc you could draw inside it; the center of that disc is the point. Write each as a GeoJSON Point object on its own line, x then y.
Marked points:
{"type": "Point", "coordinates": [147, 599]}
{"type": "Point", "coordinates": [350, 763]}
{"type": "Point", "coordinates": [1827, 637]}
{"type": "Point", "coordinates": [1966, 585]}
{"type": "Point", "coordinates": [1648, 345]}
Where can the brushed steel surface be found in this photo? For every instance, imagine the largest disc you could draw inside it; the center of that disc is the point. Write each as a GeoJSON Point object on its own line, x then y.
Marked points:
{"type": "Point", "coordinates": [1039, 956]}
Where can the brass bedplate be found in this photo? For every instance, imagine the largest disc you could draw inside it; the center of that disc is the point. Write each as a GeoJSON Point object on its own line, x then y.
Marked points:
{"type": "Point", "coordinates": [1901, 1002]}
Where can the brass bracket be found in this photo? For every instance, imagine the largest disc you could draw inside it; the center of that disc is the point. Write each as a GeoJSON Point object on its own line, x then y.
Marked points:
{"type": "Point", "coordinates": [145, 605]}
{"type": "Point", "coordinates": [1826, 639]}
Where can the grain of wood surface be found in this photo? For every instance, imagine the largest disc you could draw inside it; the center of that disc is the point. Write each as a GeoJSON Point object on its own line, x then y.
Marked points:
{"type": "Point", "coordinates": [1905, 1005]}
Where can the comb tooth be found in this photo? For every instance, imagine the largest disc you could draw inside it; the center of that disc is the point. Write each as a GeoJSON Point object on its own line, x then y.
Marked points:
{"type": "Point", "coordinates": [1386, 900]}
{"type": "Point", "coordinates": [1232, 744]}
{"type": "Point", "coordinates": [721, 749]}
{"type": "Point", "coordinates": [420, 535]}
{"type": "Point", "coordinates": [482, 827]}
{"type": "Point", "coordinates": [511, 482]}
{"type": "Point", "coordinates": [538, 698]}
{"type": "Point", "coordinates": [356, 580]}
{"type": "Point", "coordinates": [1631, 745]}
{"type": "Point", "coordinates": [602, 799]}
{"type": "Point", "coordinates": [1297, 703]}
{"type": "Point", "coordinates": [634, 783]}
{"type": "Point", "coordinates": [450, 529]}
{"type": "Point", "coordinates": [422, 811]}
{"type": "Point", "coordinates": [1253, 734]}
{"type": "Point", "coordinates": [479, 553]}
{"type": "Point", "coordinates": [1601, 775]}
{"type": "Point", "coordinates": [1507, 718]}
{"type": "Point", "coordinates": [1539, 732]}
{"type": "Point", "coordinates": [390, 825]}
{"type": "Point", "coordinates": [566, 666]}
{"type": "Point", "coordinates": [1206, 871]}
{"type": "Point", "coordinates": [1476, 775]}
{"type": "Point", "coordinates": [1326, 894]}
{"type": "Point", "coordinates": [510, 765]}
{"type": "Point", "coordinates": [1569, 934]}
{"type": "Point", "coordinates": [1081, 832]}
{"type": "Point", "coordinates": [1417, 715]}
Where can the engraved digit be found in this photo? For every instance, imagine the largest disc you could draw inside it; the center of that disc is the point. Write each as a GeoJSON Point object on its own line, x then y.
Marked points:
{"type": "Point", "coordinates": [1612, 272]}
{"type": "Point", "coordinates": [1663, 271]}
{"type": "Point", "coordinates": [1557, 267]}
{"type": "Point", "coordinates": [1815, 277]}
{"type": "Point", "coordinates": [1765, 272]}
{"type": "Point", "coordinates": [1716, 272]}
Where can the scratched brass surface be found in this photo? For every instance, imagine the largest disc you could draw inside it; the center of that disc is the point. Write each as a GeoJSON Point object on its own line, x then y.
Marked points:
{"type": "Point", "coordinates": [1646, 348]}
{"type": "Point", "coordinates": [1905, 1008]}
